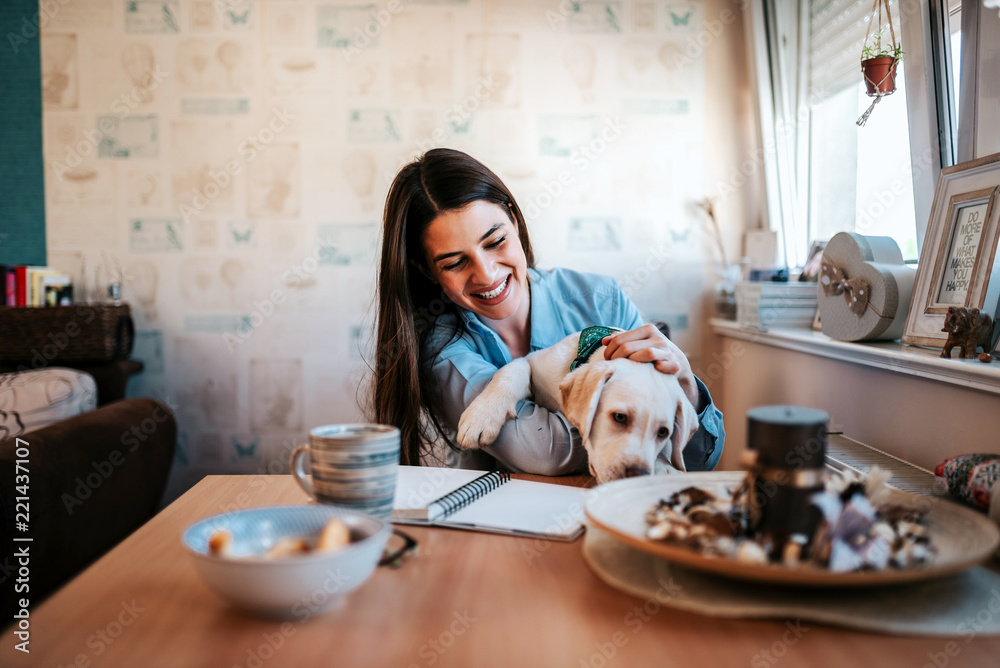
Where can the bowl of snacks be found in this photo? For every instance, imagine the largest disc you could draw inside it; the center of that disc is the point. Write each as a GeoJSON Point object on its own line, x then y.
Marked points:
{"type": "Point", "coordinates": [283, 561]}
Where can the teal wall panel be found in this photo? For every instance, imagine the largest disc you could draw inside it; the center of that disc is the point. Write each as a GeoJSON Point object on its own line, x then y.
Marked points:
{"type": "Point", "coordinates": [22, 177]}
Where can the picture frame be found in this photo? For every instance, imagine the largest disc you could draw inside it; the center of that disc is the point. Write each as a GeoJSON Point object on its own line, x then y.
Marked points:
{"type": "Point", "coordinates": [811, 269]}
{"type": "Point", "coordinates": [959, 264]}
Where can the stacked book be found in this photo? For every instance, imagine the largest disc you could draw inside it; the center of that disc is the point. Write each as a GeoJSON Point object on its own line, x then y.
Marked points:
{"type": "Point", "coordinates": [30, 285]}
{"type": "Point", "coordinates": [763, 305]}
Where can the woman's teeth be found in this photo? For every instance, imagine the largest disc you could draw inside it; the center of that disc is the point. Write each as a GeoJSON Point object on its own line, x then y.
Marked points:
{"type": "Point", "coordinates": [494, 293]}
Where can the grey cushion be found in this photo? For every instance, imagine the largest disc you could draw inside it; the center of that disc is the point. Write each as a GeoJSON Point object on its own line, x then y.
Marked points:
{"type": "Point", "coordinates": [30, 400]}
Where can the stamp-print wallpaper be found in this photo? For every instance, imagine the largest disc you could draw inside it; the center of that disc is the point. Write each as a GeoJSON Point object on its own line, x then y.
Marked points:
{"type": "Point", "coordinates": [228, 160]}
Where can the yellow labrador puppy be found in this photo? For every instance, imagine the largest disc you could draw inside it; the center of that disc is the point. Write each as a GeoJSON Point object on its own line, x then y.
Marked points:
{"type": "Point", "coordinates": [633, 419]}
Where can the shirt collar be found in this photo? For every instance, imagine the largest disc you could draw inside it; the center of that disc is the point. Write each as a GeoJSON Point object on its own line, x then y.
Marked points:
{"type": "Point", "coordinates": [544, 313]}
{"type": "Point", "coordinates": [471, 320]}
{"type": "Point", "coordinates": [545, 327]}
{"type": "Point", "coordinates": [496, 350]}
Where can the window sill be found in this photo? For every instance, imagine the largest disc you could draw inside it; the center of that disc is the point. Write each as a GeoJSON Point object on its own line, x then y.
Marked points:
{"type": "Point", "coordinates": [888, 355]}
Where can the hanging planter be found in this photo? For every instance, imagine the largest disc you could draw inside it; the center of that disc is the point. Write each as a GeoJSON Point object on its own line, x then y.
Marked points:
{"type": "Point", "coordinates": [880, 75]}
{"type": "Point", "coordinates": [880, 58]}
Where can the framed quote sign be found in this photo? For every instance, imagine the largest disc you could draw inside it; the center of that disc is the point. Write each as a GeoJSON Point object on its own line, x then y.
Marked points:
{"type": "Point", "coordinates": [959, 264]}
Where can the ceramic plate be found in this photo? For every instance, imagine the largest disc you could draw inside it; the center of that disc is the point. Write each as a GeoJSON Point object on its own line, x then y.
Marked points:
{"type": "Point", "coordinates": [961, 537]}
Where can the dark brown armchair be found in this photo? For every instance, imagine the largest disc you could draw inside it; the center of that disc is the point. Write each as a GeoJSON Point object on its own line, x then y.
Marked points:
{"type": "Point", "coordinates": [92, 480]}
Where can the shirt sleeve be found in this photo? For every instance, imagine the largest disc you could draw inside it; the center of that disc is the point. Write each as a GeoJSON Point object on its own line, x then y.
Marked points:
{"type": "Point", "coordinates": [627, 314]}
{"type": "Point", "coordinates": [539, 441]}
{"type": "Point", "coordinates": [703, 451]}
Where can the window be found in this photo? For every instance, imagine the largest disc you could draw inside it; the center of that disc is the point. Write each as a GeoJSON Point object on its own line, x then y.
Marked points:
{"type": "Point", "coordinates": [955, 28]}
{"type": "Point", "coordinates": [862, 174]}
{"type": "Point", "coordinates": [979, 105]}
{"type": "Point", "coordinates": [855, 174]}
{"type": "Point", "coordinates": [828, 175]}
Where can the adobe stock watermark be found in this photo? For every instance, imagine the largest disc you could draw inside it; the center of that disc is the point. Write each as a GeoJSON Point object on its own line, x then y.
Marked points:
{"type": "Point", "coordinates": [258, 483]}
{"type": "Point", "coordinates": [634, 620]}
{"type": "Point", "coordinates": [883, 200]}
{"type": "Point", "coordinates": [221, 7]}
{"type": "Point", "coordinates": [646, 270]}
{"type": "Point", "coordinates": [264, 309]}
{"type": "Point", "coordinates": [59, 340]}
{"type": "Point", "coordinates": [560, 524]}
{"type": "Point", "coordinates": [581, 157]}
{"type": "Point", "coordinates": [696, 44]}
{"type": "Point", "coordinates": [103, 469]}
{"type": "Point", "coordinates": [435, 484]}
{"type": "Point", "coordinates": [755, 159]}
{"type": "Point", "coordinates": [271, 642]}
{"type": "Point", "coordinates": [770, 656]}
{"type": "Point", "coordinates": [335, 584]}
{"type": "Point", "coordinates": [457, 116]}
{"type": "Point", "coordinates": [363, 35]}
{"type": "Point", "coordinates": [107, 125]}
{"type": "Point", "coordinates": [304, 609]}
{"type": "Point", "coordinates": [47, 10]}
{"type": "Point", "coordinates": [436, 647]}
{"type": "Point", "coordinates": [970, 627]}
{"type": "Point", "coordinates": [104, 637]}
{"type": "Point", "coordinates": [247, 151]}
{"type": "Point", "coordinates": [720, 362]}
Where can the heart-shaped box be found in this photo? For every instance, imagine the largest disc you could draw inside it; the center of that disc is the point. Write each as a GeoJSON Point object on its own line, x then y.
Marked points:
{"type": "Point", "coordinates": [886, 283]}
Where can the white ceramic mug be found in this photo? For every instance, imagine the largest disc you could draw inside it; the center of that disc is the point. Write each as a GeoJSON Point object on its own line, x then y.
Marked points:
{"type": "Point", "coordinates": [353, 465]}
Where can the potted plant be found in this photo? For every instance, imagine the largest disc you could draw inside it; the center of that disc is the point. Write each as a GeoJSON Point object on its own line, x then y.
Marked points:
{"type": "Point", "coordinates": [878, 64]}
{"type": "Point", "coordinates": [725, 290]}
{"type": "Point", "coordinates": [880, 58]}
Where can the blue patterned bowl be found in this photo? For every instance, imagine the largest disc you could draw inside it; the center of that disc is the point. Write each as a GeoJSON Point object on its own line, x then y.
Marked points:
{"type": "Point", "coordinates": [290, 586]}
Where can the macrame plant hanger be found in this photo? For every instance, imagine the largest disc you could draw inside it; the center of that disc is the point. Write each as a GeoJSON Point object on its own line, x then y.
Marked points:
{"type": "Point", "coordinates": [891, 72]}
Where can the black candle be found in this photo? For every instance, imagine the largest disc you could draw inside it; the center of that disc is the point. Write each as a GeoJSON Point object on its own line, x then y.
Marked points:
{"type": "Point", "coordinates": [787, 453]}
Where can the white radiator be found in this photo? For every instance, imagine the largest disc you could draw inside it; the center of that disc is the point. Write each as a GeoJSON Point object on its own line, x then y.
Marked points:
{"type": "Point", "coordinates": [846, 453]}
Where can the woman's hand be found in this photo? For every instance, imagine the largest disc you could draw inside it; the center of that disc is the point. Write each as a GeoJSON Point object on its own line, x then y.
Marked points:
{"type": "Point", "coordinates": [647, 344]}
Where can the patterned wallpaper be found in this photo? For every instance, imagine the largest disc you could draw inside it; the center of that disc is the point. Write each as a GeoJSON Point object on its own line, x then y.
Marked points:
{"type": "Point", "coordinates": [228, 160]}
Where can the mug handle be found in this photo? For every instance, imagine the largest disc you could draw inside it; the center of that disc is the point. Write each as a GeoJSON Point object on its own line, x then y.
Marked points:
{"type": "Point", "coordinates": [299, 472]}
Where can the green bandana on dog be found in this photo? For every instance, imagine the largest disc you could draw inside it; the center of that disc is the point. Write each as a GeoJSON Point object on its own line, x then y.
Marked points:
{"type": "Point", "coordinates": [590, 340]}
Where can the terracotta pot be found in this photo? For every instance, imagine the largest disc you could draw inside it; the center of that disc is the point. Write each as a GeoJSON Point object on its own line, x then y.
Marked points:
{"type": "Point", "coordinates": [880, 75]}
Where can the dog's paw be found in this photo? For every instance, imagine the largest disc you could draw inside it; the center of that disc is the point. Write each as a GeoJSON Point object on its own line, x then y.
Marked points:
{"type": "Point", "coordinates": [481, 423]}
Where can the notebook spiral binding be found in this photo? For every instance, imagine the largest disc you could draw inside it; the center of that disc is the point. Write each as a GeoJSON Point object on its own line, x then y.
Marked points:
{"type": "Point", "coordinates": [471, 491]}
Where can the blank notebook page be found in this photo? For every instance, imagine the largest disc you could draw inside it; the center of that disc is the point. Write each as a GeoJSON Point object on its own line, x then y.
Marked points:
{"type": "Point", "coordinates": [518, 505]}
{"type": "Point", "coordinates": [418, 486]}
{"type": "Point", "coordinates": [522, 505]}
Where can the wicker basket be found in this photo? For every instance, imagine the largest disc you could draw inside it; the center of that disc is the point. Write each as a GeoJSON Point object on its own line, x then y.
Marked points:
{"type": "Point", "coordinates": [84, 333]}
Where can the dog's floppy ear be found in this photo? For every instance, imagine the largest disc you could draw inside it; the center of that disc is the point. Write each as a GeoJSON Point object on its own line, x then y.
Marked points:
{"type": "Point", "coordinates": [581, 390]}
{"type": "Point", "coordinates": [685, 425]}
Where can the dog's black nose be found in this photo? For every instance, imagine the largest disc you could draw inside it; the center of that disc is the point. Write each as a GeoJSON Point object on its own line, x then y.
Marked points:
{"type": "Point", "coordinates": [633, 471]}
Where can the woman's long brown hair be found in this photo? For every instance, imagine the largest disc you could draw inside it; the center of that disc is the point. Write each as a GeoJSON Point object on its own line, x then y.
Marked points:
{"type": "Point", "coordinates": [405, 393]}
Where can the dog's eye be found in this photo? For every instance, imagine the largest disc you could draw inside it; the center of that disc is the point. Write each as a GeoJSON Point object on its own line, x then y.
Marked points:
{"type": "Point", "coordinates": [620, 418]}
{"type": "Point", "coordinates": [663, 432]}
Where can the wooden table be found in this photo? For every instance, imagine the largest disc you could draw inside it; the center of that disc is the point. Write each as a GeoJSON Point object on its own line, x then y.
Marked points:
{"type": "Point", "coordinates": [467, 599]}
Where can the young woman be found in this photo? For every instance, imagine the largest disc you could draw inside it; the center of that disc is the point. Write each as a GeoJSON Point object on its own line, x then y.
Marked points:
{"type": "Point", "coordinates": [459, 296]}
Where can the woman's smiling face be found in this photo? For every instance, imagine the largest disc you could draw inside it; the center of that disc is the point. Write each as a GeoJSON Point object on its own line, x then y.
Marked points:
{"type": "Point", "coordinates": [476, 256]}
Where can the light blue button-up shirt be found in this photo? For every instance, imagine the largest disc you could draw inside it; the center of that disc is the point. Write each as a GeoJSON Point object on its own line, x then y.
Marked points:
{"type": "Point", "coordinates": [541, 441]}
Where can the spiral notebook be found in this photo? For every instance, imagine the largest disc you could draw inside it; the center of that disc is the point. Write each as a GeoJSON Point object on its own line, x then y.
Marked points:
{"type": "Point", "coordinates": [492, 502]}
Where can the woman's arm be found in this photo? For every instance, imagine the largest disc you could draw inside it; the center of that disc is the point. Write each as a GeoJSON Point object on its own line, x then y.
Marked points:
{"type": "Point", "coordinates": [539, 441]}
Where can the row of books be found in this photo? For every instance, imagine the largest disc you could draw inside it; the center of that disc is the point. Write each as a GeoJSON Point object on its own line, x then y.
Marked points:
{"type": "Point", "coordinates": [32, 285]}
{"type": "Point", "coordinates": [763, 305]}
